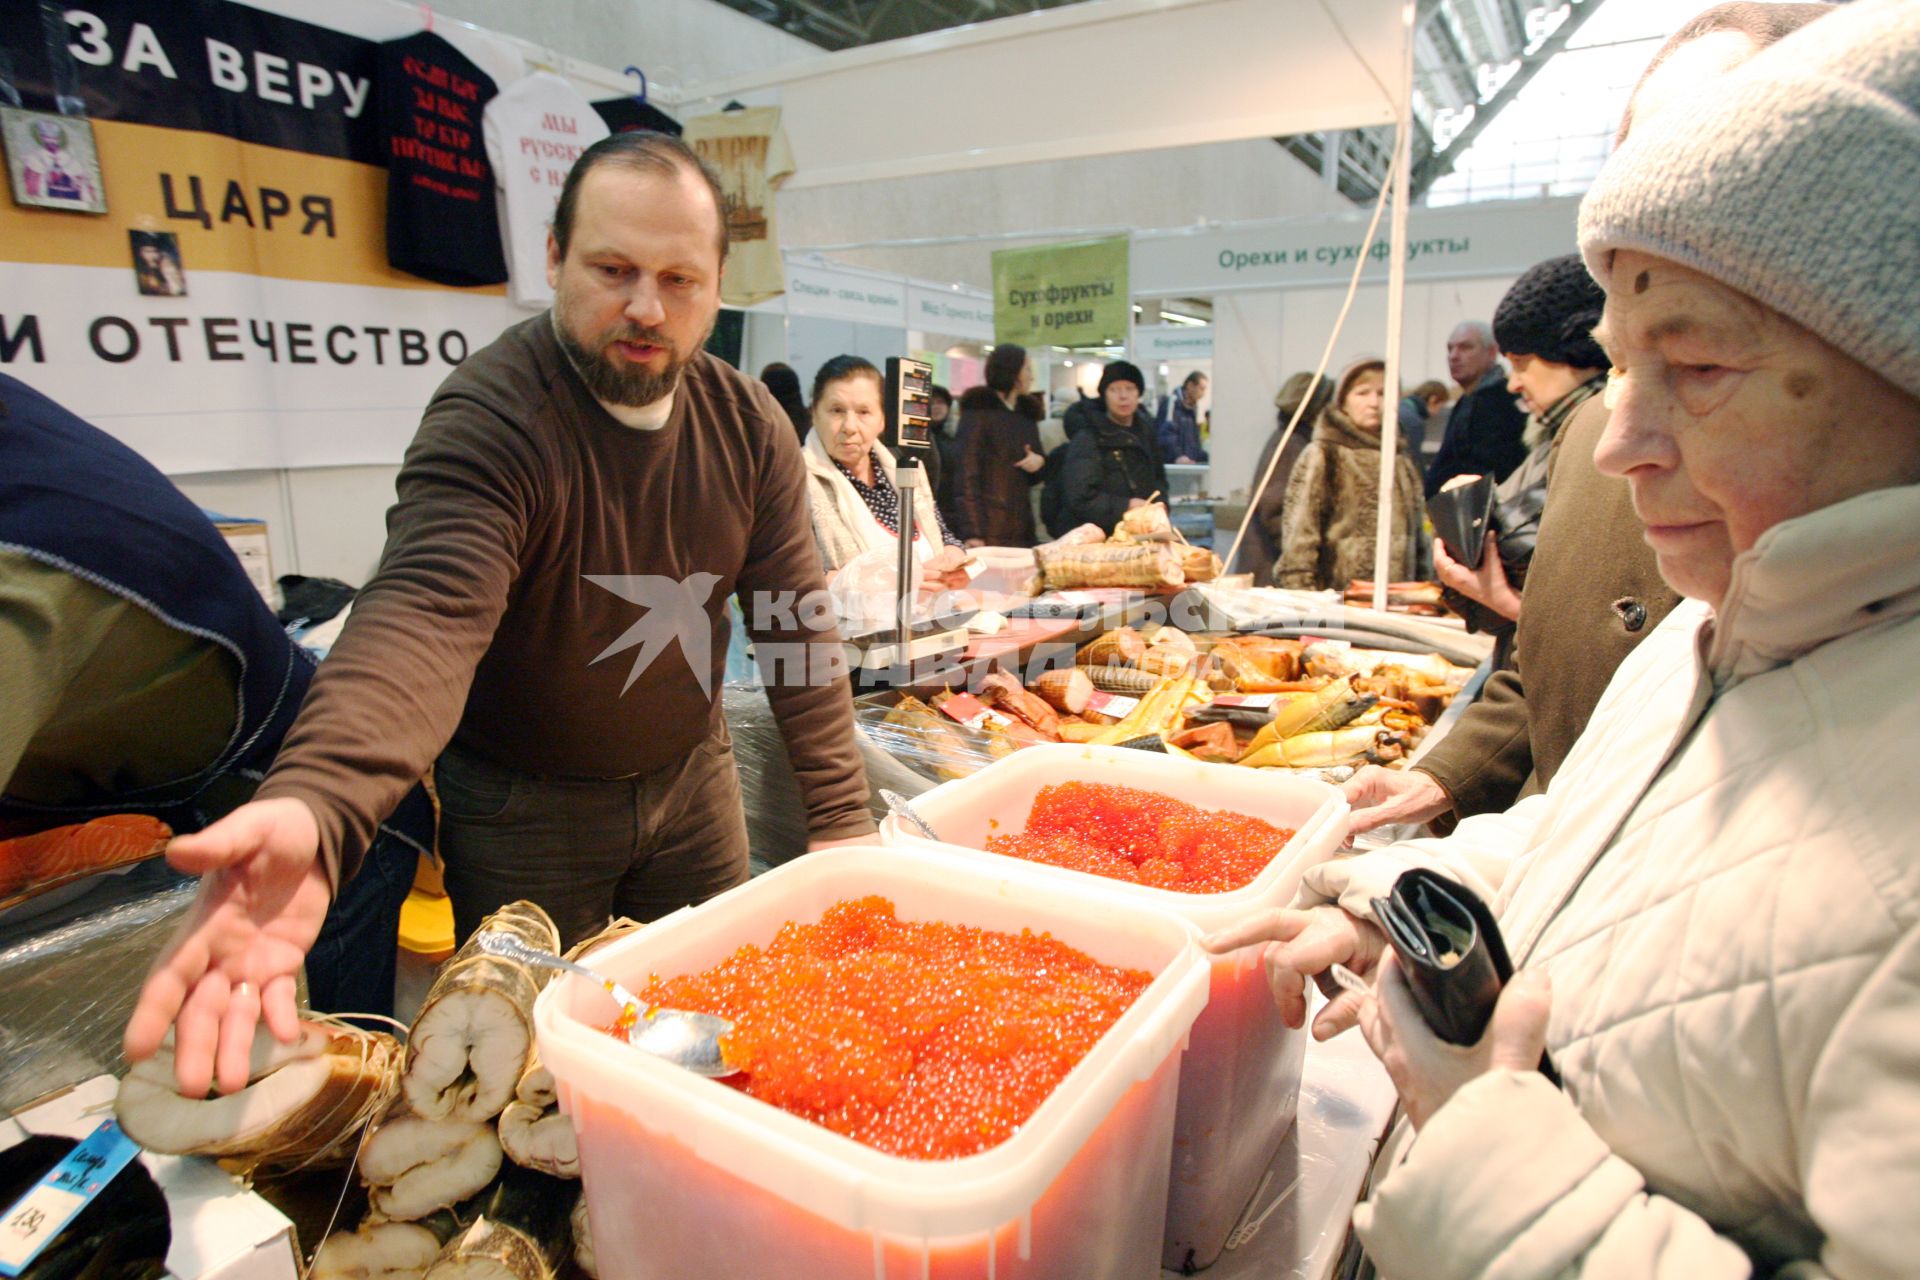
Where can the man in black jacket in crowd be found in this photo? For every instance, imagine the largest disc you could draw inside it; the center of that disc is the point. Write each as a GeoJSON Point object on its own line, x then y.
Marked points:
{"type": "Point", "coordinates": [1484, 429]}
{"type": "Point", "coordinates": [1113, 465]}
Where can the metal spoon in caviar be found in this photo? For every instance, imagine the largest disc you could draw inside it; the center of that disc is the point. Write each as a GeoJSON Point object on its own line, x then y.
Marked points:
{"type": "Point", "coordinates": [684, 1038]}
{"type": "Point", "coordinates": [904, 807]}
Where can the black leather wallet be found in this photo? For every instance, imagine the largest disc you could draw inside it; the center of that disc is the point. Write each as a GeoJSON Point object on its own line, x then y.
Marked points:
{"type": "Point", "coordinates": [1452, 953]}
{"type": "Point", "coordinates": [1461, 517]}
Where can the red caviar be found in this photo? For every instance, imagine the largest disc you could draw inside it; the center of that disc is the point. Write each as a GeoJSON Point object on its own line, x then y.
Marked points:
{"type": "Point", "coordinates": [1144, 837]}
{"type": "Point", "coordinates": [919, 1039]}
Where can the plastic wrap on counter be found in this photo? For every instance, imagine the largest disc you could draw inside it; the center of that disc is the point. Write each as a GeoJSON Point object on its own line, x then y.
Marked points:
{"type": "Point", "coordinates": [769, 792]}
{"type": "Point", "coordinates": [70, 973]}
{"type": "Point", "coordinates": [918, 748]}
{"type": "Point", "coordinates": [1296, 1224]}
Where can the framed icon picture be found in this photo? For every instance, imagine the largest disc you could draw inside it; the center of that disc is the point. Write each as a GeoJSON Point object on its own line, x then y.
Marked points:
{"type": "Point", "coordinates": [51, 161]}
{"type": "Point", "coordinates": [157, 272]}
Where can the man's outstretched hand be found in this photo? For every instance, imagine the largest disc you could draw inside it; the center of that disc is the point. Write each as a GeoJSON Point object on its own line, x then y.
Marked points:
{"type": "Point", "coordinates": [263, 896]}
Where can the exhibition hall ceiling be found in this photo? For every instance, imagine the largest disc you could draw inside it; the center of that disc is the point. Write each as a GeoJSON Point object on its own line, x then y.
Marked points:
{"type": "Point", "coordinates": [1471, 57]}
{"type": "Point", "coordinates": [844, 24]}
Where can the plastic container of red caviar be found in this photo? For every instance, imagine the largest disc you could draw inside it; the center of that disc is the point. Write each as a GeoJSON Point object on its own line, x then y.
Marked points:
{"type": "Point", "coordinates": [1239, 1084]}
{"type": "Point", "coordinates": [685, 1176]}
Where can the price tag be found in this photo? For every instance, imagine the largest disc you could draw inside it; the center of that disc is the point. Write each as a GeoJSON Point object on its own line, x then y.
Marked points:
{"type": "Point", "coordinates": [1116, 705]}
{"type": "Point", "coordinates": [971, 712]}
{"type": "Point", "coordinates": [1251, 701]}
{"type": "Point", "coordinates": [44, 1212]}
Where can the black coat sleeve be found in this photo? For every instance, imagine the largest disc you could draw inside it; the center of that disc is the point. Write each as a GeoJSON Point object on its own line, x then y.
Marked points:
{"type": "Point", "coordinates": [1083, 479]}
{"type": "Point", "coordinates": [1449, 461]}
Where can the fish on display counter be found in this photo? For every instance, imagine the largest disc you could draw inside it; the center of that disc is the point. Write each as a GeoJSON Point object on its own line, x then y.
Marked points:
{"type": "Point", "coordinates": [534, 1132]}
{"type": "Point", "coordinates": [474, 1032]}
{"type": "Point", "coordinates": [32, 864]}
{"type": "Point", "coordinates": [304, 1104]}
{"type": "Point", "coordinates": [522, 1233]}
{"type": "Point", "coordinates": [382, 1250]}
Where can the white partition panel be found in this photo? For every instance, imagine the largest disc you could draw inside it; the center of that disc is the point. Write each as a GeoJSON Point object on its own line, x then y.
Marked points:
{"type": "Point", "coordinates": [1088, 79]}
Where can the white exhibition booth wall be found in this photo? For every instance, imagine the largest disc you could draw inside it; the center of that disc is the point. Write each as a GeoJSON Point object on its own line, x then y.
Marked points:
{"type": "Point", "coordinates": [831, 309]}
{"type": "Point", "coordinates": [1271, 318]}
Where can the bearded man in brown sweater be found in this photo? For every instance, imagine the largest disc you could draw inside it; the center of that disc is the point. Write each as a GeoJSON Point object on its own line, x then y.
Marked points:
{"type": "Point", "coordinates": [549, 622]}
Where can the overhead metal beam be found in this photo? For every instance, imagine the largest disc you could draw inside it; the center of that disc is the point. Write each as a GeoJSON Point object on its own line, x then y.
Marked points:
{"type": "Point", "coordinates": [853, 23]}
{"type": "Point", "coordinates": [1438, 164]}
{"type": "Point", "coordinates": [826, 19]}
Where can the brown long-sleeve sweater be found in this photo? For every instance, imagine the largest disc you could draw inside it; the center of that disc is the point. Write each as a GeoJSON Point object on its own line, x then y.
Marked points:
{"type": "Point", "coordinates": [484, 625]}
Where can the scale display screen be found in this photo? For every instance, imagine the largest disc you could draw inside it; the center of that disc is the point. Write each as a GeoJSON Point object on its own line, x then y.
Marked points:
{"type": "Point", "coordinates": [909, 402]}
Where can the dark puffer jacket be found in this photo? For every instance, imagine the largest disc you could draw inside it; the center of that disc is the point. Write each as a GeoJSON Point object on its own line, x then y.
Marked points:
{"type": "Point", "coordinates": [991, 493]}
{"type": "Point", "coordinates": [1106, 465]}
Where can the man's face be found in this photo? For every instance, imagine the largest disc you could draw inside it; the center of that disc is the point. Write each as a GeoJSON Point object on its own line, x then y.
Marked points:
{"type": "Point", "coordinates": [1732, 418]}
{"type": "Point", "coordinates": [1195, 392]}
{"type": "Point", "coordinates": [1469, 356]}
{"type": "Point", "coordinates": [639, 289]}
{"type": "Point", "coordinates": [1540, 384]}
{"type": "Point", "coordinates": [937, 410]}
{"type": "Point", "coordinates": [1122, 398]}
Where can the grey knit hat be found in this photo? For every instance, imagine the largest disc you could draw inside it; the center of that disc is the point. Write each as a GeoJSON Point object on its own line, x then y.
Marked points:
{"type": "Point", "coordinates": [1794, 179]}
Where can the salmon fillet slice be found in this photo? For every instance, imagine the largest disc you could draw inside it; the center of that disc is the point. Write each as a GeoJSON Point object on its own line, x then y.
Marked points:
{"type": "Point", "coordinates": [35, 863]}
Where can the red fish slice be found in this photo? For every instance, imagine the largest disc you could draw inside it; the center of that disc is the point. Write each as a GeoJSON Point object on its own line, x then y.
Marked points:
{"type": "Point", "coordinates": [35, 863]}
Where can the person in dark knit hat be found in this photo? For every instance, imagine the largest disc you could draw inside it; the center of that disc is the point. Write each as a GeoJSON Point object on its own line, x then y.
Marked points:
{"type": "Point", "coordinates": [1544, 324]}
{"type": "Point", "coordinates": [1112, 465]}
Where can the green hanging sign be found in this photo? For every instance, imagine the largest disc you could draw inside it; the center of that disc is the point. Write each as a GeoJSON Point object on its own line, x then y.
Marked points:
{"type": "Point", "coordinates": [1062, 295]}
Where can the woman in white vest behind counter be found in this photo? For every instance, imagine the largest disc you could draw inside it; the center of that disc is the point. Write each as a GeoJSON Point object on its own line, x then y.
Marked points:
{"type": "Point", "coordinates": [850, 479]}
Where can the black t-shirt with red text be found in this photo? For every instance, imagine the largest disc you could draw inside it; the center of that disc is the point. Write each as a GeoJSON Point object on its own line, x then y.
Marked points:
{"type": "Point", "coordinates": [441, 221]}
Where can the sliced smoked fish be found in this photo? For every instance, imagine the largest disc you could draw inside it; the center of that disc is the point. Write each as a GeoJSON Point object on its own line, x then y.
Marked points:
{"type": "Point", "coordinates": [35, 863]}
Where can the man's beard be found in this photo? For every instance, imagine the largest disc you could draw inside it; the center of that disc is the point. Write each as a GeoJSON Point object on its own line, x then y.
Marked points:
{"type": "Point", "coordinates": [616, 380]}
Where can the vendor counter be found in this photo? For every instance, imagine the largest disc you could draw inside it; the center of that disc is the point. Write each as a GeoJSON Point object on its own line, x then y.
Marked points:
{"type": "Point", "coordinates": [1297, 1225]}
{"type": "Point", "coordinates": [70, 972]}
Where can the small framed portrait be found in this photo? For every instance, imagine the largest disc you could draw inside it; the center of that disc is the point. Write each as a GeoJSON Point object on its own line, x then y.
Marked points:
{"type": "Point", "coordinates": [51, 161]}
{"type": "Point", "coordinates": [156, 264]}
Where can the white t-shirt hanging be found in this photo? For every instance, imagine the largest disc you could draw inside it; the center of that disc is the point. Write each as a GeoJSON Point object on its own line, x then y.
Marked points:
{"type": "Point", "coordinates": [535, 130]}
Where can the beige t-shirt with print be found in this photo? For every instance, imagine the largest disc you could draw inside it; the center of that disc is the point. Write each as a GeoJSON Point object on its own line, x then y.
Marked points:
{"type": "Point", "coordinates": [748, 149]}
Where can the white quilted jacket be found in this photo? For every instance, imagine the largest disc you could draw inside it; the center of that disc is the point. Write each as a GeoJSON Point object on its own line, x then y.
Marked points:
{"type": "Point", "coordinates": [1724, 885]}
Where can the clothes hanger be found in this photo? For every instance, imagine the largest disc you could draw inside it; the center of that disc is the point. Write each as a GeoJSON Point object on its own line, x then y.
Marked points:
{"type": "Point", "coordinates": [734, 104]}
{"type": "Point", "coordinates": [640, 97]}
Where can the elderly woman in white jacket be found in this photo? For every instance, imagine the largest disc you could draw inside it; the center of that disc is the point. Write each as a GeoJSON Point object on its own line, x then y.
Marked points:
{"type": "Point", "coordinates": [850, 478]}
{"type": "Point", "coordinates": [1715, 909]}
